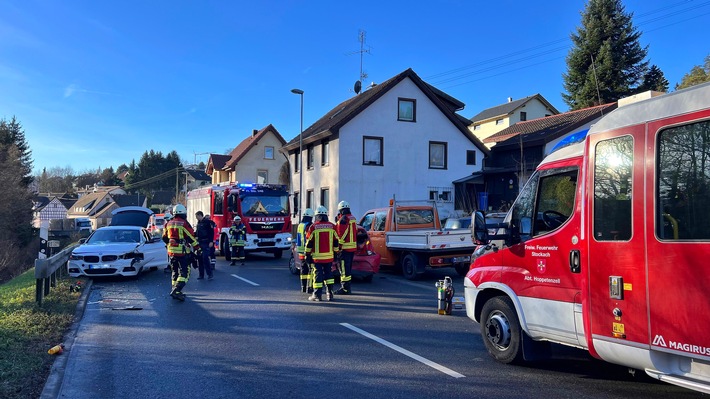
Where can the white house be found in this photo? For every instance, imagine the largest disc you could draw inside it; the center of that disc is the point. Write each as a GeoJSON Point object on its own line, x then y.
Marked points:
{"type": "Point", "coordinates": [400, 138]}
{"type": "Point", "coordinates": [46, 208]}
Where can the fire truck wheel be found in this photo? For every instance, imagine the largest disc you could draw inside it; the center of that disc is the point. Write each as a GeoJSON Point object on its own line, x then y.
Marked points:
{"type": "Point", "coordinates": [409, 267]}
{"type": "Point", "coordinates": [462, 270]}
{"type": "Point", "coordinates": [224, 249]}
{"type": "Point", "coordinates": [501, 331]}
{"type": "Point", "coordinates": [278, 254]}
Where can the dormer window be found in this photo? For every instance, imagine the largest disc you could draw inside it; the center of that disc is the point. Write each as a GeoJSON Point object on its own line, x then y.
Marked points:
{"type": "Point", "coordinates": [407, 110]}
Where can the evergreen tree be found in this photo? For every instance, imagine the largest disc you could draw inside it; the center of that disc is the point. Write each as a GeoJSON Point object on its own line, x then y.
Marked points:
{"type": "Point", "coordinates": [654, 80]}
{"type": "Point", "coordinates": [606, 61]}
{"type": "Point", "coordinates": [11, 133]}
{"type": "Point", "coordinates": [698, 74]}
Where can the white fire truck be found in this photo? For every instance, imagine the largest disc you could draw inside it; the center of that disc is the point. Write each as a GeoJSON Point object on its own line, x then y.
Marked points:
{"type": "Point", "coordinates": [606, 246]}
{"type": "Point", "coordinates": [264, 209]}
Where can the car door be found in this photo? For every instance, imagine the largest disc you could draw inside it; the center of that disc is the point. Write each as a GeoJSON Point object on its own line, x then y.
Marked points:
{"type": "Point", "coordinates": [154, 252]}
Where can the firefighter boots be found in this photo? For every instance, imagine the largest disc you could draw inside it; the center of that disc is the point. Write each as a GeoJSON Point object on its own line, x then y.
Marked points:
{"type": "Point", "coordinates": [234, 263]}
{"type": "Point", "coordinates": [177, 294]}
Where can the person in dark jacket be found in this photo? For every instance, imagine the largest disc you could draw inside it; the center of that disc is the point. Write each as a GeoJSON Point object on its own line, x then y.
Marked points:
{"type": "Point", "coordinates": [205, 237]}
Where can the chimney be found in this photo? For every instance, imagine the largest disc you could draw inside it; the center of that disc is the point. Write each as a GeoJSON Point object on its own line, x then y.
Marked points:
{"type": "Point", "coordinates": [254, 132]}
{"type": "Point", "coordinates": [510, 99]}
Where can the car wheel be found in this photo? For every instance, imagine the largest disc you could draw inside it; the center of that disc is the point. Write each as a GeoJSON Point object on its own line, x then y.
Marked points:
{"type": "Point", "coordinates": [224, 249]}
{"type": "Point", "coordinates": [409, 267]}
{"type": "Point", "coordinates": [292, 266]}
{"type": "Point", "coordinates": [278, 254]}
{"type": "Point", "coordinates": [501, 331]}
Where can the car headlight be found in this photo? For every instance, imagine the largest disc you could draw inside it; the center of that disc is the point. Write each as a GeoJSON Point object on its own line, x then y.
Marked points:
{"type": "Point", "coordinates": [72, 256]}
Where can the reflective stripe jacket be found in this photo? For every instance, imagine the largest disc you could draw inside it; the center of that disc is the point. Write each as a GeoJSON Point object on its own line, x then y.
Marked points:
{"type": "Point", "coordinates": [301, 239]}
{"type": "Point", "coordinates": [237, 235]}
{"type": "Point", "coordinates": [322, 242]}
{"type": "Point", "coordinates": [347, 232]}
{"type": "Point", "coordinates": [179, 236]}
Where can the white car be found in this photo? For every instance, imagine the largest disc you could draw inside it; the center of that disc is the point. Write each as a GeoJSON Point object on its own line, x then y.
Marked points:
{"type": "Point", "coordinates": [125, 248]}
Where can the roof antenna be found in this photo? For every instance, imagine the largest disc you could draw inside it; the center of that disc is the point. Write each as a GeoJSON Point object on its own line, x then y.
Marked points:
{"type": "Point", "coordinates": [363, 74]}
{"type": "Point", "coordinates": [596, 83]}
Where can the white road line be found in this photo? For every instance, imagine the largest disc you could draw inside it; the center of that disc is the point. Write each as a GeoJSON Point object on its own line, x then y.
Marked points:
{"type": "Point", "coordinates": [245, 280]}
{"type": "Point", "coordinates": [405, 352]}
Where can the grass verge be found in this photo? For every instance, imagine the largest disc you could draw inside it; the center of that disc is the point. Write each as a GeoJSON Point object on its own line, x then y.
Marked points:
{"type": "Point", "coordinates": [27, 331]}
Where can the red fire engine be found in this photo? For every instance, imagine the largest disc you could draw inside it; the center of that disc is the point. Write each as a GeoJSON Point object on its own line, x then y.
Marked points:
{"type": "Point", "coordinates": [263, 208]}
{"type": "Point", "coordinates": [605, 247]}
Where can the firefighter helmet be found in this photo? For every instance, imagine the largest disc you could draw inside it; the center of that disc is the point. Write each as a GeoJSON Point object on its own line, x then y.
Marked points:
{"type": "Point", "coordinates": [180, 209]}
{"type": "Point", "coordinates": [167, 217]}
{"type": "Point", "coordinates": [342, 205]}
{"type": "Point", "coordinates": [308, 212]}
{"type": "Point", "coordinates": [237, 218]}
{"type": "Point", "coordinates": [321, 210]}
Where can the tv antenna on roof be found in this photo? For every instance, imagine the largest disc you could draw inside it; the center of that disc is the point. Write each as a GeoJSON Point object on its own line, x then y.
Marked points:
{"type": "Point", "coordinates": [363, 74]}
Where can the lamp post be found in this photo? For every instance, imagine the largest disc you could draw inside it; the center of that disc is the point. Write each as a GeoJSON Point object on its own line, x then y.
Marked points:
{"type": "Point", "coordinates": [300, 158]}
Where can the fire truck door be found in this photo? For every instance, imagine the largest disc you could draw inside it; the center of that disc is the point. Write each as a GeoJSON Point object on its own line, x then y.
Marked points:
{"type": "Point", "coordinates": [679, 235]}
{"type": "Point", "coordinates": [616, 265]}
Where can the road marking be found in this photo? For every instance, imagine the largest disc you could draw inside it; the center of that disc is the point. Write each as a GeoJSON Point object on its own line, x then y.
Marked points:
{"type": "Point", "coordinates": [405, 352]}
{"type": "Point", "coordinates": [245, 280]}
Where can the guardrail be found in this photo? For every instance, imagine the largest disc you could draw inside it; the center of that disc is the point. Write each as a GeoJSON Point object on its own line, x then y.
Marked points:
{"type": "Point", "coordinates": [46, 271]}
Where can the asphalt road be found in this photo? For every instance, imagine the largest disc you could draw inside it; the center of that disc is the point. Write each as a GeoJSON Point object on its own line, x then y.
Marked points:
{"type": "Point", "coordinates": [251, 333]}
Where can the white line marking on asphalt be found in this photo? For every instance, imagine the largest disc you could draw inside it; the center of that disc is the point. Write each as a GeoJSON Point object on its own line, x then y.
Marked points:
{"type": "Point", "coordinates": [405, 352]}
{"type": "Point", "coordinates": [245, 280]}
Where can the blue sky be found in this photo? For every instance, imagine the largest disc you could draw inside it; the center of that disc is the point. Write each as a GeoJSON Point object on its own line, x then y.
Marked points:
{"type": "Point", "coordinates": [97, 83]}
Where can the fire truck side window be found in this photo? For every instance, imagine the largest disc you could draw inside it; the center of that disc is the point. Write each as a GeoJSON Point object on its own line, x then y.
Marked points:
{"type": "Point", "coordinates": [683, 183]}
{"type": "Point", "coordinates": [613, 164]}
{"type": "Point", "coordinates": [218, 202]}
{"type": "Point", "coordinates": [555, 200]}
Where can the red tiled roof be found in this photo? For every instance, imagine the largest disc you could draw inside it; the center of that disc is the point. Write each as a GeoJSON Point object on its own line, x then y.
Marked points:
{"type": "Point", "coordinates": [554, 125]}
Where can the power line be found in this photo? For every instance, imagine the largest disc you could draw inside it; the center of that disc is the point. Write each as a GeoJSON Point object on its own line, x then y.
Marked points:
{"type": "Point", "coordinates": [491, 64]}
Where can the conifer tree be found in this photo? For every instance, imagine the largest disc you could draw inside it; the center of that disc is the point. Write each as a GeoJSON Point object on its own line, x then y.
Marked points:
{"type": "Point", "coordinates": [606, 61]}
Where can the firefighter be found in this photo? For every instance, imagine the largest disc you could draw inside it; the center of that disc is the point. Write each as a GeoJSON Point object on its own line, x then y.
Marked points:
{"type": "Point", "coordinates": [181, 242]}
{"type": "Point", "coordinates": [205, 236]}
{"type": "Point", "coordinates": [237, 240]}
{"type": "Point", "coordinates": [322, 245]}
{"type": "Point", "coordinates": [306, 284]}
{"type": "Point", "coordinates": [346, 227]}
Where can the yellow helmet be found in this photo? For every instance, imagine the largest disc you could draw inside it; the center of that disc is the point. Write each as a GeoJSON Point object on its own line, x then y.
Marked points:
{"type": "Point", "coordinates": [321, 210]}
{"type": "Point", "coordinates": [308, 212]}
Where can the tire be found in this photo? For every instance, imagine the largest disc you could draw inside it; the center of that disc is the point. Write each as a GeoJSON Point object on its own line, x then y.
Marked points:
{"type": "Point", "coordinates": [292, 266]}
{"type": "Point", "coordinates": [500, 330]}
{"type": "Point", "coordinates": [278, 254]}
{"type": "Point", "coordinates": [224, 248]}
{"type": "Point", "coordinates": [409, 267]}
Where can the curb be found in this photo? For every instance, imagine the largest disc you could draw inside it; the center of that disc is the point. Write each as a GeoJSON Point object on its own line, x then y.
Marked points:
{"type": "Point", "coordinates": [56, 374]}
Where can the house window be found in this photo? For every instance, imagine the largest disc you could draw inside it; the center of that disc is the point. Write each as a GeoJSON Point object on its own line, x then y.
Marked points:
{"type": "Point", "coordinates": [499, 121]}
{"type": "Point", "coordinates": [268, 152]}
{"type": "Point", "coordinates": [324, 197]}
{"type": "Point", "coordinates": [262, 176]}
{"type": "Point", "coordinates": [476, 127]}
{"type": "Point", "coordinates": [433, 195]}
{"type": "Point", "coordinates": [407, 111]}
{"type": "Point", "coordinates": [296, 210]}
{"type": "Point", "coordinates": [372, 150]}
{"type": "Point", "coordinates": [470, 157]}
{"type": "Point", "coordinates": [324, 156]}
{"type": "Point", "coordinates": [309, 199]}
{"type": "Point", "coordinates": [437, 155]}
{"type": "Point", "coordinates": [523, 116]}
{"type": "Point", "coordinates": [310, 157]}
{"type": "Point", "coordinates": [546, 115]}
{"type": "Point", "coordinates": [296, 162]}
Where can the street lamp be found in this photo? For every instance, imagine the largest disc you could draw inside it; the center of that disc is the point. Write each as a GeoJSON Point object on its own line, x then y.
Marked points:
{"type": "Point", "coordinates": [300, 158]}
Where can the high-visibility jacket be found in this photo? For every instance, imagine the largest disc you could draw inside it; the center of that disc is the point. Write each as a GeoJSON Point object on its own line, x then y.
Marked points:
{"type": "Point", "coordinates": [301, 239]}
{"type": "Point", "coordinates": [322, 242]}
{"type": "Point", "coordinates": [237, 235]}
{"type": "Point", "coordinates": [179, 236]}
{"type": "Point", "coordinates": [347, 232]}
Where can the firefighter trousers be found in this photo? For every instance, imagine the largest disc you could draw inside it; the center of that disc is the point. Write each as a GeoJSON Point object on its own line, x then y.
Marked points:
{"type": "Point", "coordinates": [346, 269]}
{"type": "Point", "coordinates": [180, 272]}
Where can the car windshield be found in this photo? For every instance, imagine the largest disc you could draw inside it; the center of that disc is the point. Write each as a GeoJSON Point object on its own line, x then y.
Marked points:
{"type": "Point", "coordinates": [159, 222]}
{"type": "Point", "coordinates": [84, 224]}
{"type": "Point", "coordinates": [457, 223]}
{"type": "Point", "coordinates": [114, 235]}
{"type": "Point", "coordinates": [263, 205]}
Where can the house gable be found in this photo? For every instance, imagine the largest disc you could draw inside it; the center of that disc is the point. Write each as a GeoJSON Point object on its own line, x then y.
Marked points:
{"type": "Point", "coordinates": [257, 159]}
